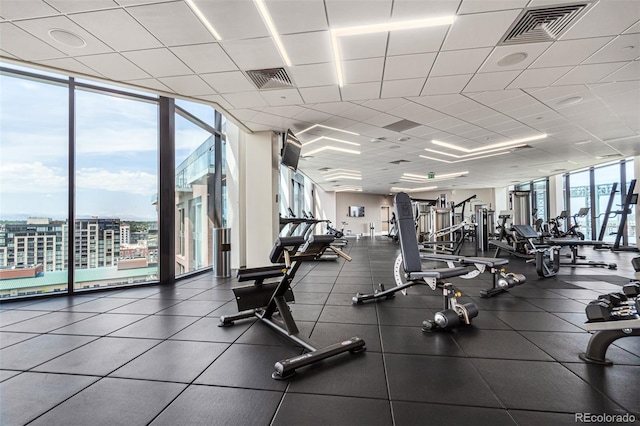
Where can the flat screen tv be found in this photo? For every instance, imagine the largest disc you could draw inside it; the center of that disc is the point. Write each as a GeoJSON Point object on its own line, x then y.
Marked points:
{"type": "Point", "coordinates": [356, 211]}
{"type": "Point", "coordinates": [291, 148]}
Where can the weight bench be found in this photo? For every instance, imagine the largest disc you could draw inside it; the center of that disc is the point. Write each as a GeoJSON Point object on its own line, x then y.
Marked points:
{"type": "Point", "coordinates": [408, 265]}
{"type": "Point", "coordinates": [573, 244]}
{"type": "Point", "coordinates": [263, 300]}
{"type": "Point", "coordinates": [502, 281]}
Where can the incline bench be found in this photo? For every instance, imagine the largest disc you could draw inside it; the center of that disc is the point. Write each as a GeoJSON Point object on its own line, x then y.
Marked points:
{"type": "Point", "coordinates": [263, 300]}
{"type": "Point", "coordinates": [410, 267]}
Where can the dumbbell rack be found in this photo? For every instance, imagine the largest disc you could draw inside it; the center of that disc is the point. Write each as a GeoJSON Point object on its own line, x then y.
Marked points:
{"type": "Point", "coordinates": [606, 333]}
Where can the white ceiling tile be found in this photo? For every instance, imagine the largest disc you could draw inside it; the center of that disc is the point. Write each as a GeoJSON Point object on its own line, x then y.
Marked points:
{"type": "Point", "coordinates": [535, 108]}
{"type": "Point", "coordinates": [509, 104]}
{"type": "Point", "coordinates": [130, 35]}
{"type": "Point", "coordinates": [69, 64]}
{"type": "Point", "coordinates": [491, 81]}
{"type": "Point", "coordinates": [189, 85]}
{"type": "Point", "coordinates": [359, 113]}
{"type": "Point", "coordinates": [481, 6]}
{"type": "Point", "coordinates": [244, 114]}
{"type": "Point", "coordinates": [158, 62]}
{"type": "Point", "coordinates": [308, 48]}
{"type": "Point", "coordinates": [384, 105]}
{"type": "Point", "coordinates": [492, 120]}
{"type": "Point", "coordinates": [41, 27]}
{"type": "Point", "coordinates": [437, 101]}
{"type": "Point", "coordinates": [461, 105]}
{"type": "Point", "coordinates": [605, 18]}
{"type": "Point", "coordinates": [539, 77]}
{"type": "Point", "coordinates": [551, 94]}
{"type": "Point", "coordinates": [245, 100]}
{"type": "Point", "coordinates": [224, 16]}
{"type": "Point", "coordinates": [405, 10]}
{"type": "Point", "coordinates": [418, 113]}
{"type": "Point", "coordinates": [204, 58]}
{"type": "Point", "coordinates": [174, 24]}
{"type": "Point", "coordinates": [571, 52]}
{"type": "Point", "coordinates": [349, 13]}
{"type": "Point", "coordinates": [282, 97]}
{"type": "Point", "coordinates": [151, 83]}
{"type": "Point", "coordinates": [71, 6]}
{"type": "Point", "coordinates": [228, 82]}
{"type": "Point", "coordinates": [363, 70]}
{"type": "Point", "coordinates": [626, 73]}
{"type": "Point", "coordinates": [312, 116]}
{"type": "Point", "coordinates": [273, 121]}
{"type": "Point", "coordinates": [606, 90]}
{"type": "Point", "coordinates": [363, 46]}
{"type": "Point", "coordinates": [256, 53]}
{"type": "Point", "coordinates": [23, 45]}
{"type": "Point", "coordinates": [408, 66]}
{"type": "Point", "coordinates": [446, 84]}
{"type": "Point", "coordinates": [479, 30]}
{"type": "Point", "coordinates": [447, 123]}
{"type": "Point", "coordinates": [588, 73]}
{"type": "Point", "coordinates": [314, 75]}
{"type": "Point", "coordinates": [459, 62]}
{"type": "Point", "coordinates": [284, 111]}
{"type": "Point", "coordinates": [492, 98]}
{"type": "Point", "coordinates": [5, 54]}
{"type": "Point", "coordinates": [531, 50]}
{"type": "Point", "coordinates": [138, 2]}
{"type": "Point", "coordinates": [633, 29]}
{"type": "Point", "coordinates": [622, 48]}
{"type": "Point", "coordinates": [114, 66]}
{"type": "Point", "coordinates": [357, 91]}
{"type": "Point", "coordinates": [400, 88]}
{"type": "Point", "coordinates": [381, 120]}
{"type": "Point", "coordinates": [15, 9]}
{"type": "Point", "coordinates": [295, 16]}
{"type": "Point", "coordinates": [334, 108]}
{"type": "Point", "coordinates": [420, 40]}
{"type": "Point", "coordinates": [320, 94]}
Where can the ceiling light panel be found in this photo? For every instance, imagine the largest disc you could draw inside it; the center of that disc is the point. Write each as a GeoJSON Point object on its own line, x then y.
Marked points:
{"type": "Point", "coordinates": [203, 19]}
{"type": "Point", "coordinates": [326, 127]}
{"type": "Point", "coordinates": [464, 159]}
{"type": "Point", "coordinates": [330, 148]}
{"type": "Point", "coordinates": [266, 17]}
{"type": "Point", "coordinates": [330, 139]}
{"type": "Point", "coordinates": [505, 144]}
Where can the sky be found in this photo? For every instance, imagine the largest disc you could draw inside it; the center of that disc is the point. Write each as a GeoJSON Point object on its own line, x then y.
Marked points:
{"type": "Point", "coordinates": [116, 152]}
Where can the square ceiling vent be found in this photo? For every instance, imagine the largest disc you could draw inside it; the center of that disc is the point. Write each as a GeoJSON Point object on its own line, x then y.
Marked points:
{"type": "Point", "coordinates": [543, 23]}
{"type": "Point", "coordinates": [270, 78]}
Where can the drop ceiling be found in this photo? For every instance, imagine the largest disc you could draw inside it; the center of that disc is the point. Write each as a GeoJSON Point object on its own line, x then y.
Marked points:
{"type": "Point", "coordinates": [458, 84]}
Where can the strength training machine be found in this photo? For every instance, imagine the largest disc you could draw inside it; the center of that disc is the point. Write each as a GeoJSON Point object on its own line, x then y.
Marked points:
{"type": "Point", "coordinates": [268, 301]}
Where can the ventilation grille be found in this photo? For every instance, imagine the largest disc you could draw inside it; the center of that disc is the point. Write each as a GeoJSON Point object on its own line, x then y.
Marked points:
{"type": "Point", "coordinates": [401, 126]}
{"type": "Point", "coordinates": [399, 161]}
{"type": "Point", "coordinates": [543, 24]}
{"type": "Point", "coordinates": [271, 78]}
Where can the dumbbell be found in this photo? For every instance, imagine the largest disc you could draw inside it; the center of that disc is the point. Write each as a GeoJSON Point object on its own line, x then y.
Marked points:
{"type": "Point", "coordinates": [631, 290]}
{"type": "Point", "coordinates": [605, 310]}
{"type": "Point", "coordinates": [616, 299]}
{"type": "Point", "coordinates": [511, 280]}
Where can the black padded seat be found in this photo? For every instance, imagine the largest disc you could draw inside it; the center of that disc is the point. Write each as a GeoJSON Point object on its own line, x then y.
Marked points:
{"type": "Point", "coordinates": [439, 273]}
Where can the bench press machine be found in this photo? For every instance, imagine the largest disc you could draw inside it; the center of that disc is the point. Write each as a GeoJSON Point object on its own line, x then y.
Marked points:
{"type": "Point", "coordinates": [267, 301]}
{"type": "Point", "coordinates": [409, 267]}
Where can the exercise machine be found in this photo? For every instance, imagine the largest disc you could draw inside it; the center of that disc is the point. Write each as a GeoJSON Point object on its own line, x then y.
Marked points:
{"type": "Point", "coordinates": [268, 301]}
{"type": "Point", "coordinates": [611, 317]}
{"type": "Point", "coordinates": [409, 267]}
{"type": "Point", "coordinates": [630, 199]}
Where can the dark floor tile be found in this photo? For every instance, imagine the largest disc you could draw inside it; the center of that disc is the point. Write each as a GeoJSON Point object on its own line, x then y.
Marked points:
{"type": "Point", "coordinates": [195, 308]}
{"type": "Point", "coordinates": [308, 298]}
{"type": "Point", "coordinates": [486, 320]}
{"type": "Point", "coordinates": [156, 327]}
{"type": "Point", "coordinates": [172, 361]}
{"type": "Point", "coordinates": [48, 322]}
{"type": "Point", "coordinates": [229, 308]}
{"type": "Point", "coordinates": [207, 330]}
{"type": "Point", "coordinates": [356, 314]}
{"type": "Point", "coordinates": [59, 303]}
{"type": "Point", "coordinates": [499, 344]}
{"type": "Point", "coordinates": [423, 378]}
{"type": "Point", "coordinates": [566, 347]}
{"type": "Point", "coordinates": [346, 374]}
{"type": "Point", "coordinates": [575, 318]}
{"type": "Point", "coordinates": [558, 305]}
{"type": "Point", "coordinates": [28, 354]}
{"type": "Point", "coordinates": [144, 306]}
{"type": "Point", "coordinates": [7, 338]}
{"type": "Point", "coordinates": [578, 294]}
{"type": "Point", "coordinates": [11, 317]}
{"type": "Point", "coordinates": [533, 292]}
{"type": "Point", "coordinates": [537, 418]}
{"type": "Point", "coordinates": [312, 288]}
{"type": "Point", "coordinates": [416, 413]}
{"type": "Point", "coordinates": [176, 293]}
{"type": "Point", "coordinates": [325, 334]}
{"type": "Point", "coordinates": [599, 286]}
{"type": "Point", "coordinates": [342, 281]}
{"type": "Point", "coordinates": [412, 340]}
{"type": "Point", "coordinates": [618, 382]}
{"type": "Point", "coordinates": [409, 317]}
{"type": "Point", "coordinates": [113, 402]}
{"type": "Point", "coordinates": [103, 304]}
{"type": "Point", "coordinates": [348, 290]}
{"type": "Point", "coordinates": [498, 303]}
{"type": "Point", "coordinates": [301, 409]}
{"type": "Point", "coordinates": [29, 395]}
{"type": "Point", "coordinates": [315, 279]}
{"type": "Point", "coordinates": [248, 366]}
{"type": "Point", "coordinates": [261, 334]}
{"type": "Point", "coordinates": [542, 386]}
{"type": "Point", "coordinates": [536, 321]}
{"type": "Point", "coordinates": [303, 312]}
{"type": "Point", "coordinates": [210, 405]}
{"type": "Point", "coordinates": [137, 292]}
{"type": "Point", "coordinates": [100, 325]}
{"type": "Point", "coordinates": [629, 345]}
{"type": "Point", "coordinates": [99, 357]}
{"type": "Point", "coordinates": [215, 295]}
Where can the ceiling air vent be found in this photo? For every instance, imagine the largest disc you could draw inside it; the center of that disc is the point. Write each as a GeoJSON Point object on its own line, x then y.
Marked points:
{"type": "Point", "coordinates": [401, 126]}
{"type": "Point", "coordinates": [399, 161]}
{"type": "Point", "coordinates": [270, 78]}
{"type": "Point", "coordinates": [543, 24]}
{"type": "Point", "coordinates": [518, 148]}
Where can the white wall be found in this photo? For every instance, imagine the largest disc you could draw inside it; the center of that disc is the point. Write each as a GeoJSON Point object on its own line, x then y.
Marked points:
{"type": "Point", "coordinates": [636, 171]}
{"type": "Point", "coordinates": [372, 211]}
{"type": "Point", "coordinates": [235, 210]}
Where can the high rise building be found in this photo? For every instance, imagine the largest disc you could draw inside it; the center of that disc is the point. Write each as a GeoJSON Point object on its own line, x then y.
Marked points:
{"type": "Point", "coordinates": [36, 241]}
{"type": "Point", "coordinates": [97, 242]}
{"type": "Point", "coordinates": [125, 231]}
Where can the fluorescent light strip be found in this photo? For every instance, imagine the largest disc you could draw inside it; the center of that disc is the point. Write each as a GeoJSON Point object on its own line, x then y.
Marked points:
{"type": "Point", "coordinates": [333, 175]}
{"type": "Point", "coordinates": [343, 177]}
{"type": "Point", "coordinates": [343, 188]}
{"type": "Point", "coordinates": [464, 159]}
{"type": "Point", "coordinates": [475, 153]}
{"type": "Point", "coordinates": [266, 17]}
{"type": "Point", "coordinates": [425, 188]}
{"type": "Point", "coordinates": [327, 127]}
{"type": "Point", "coordinates": [488, 147]}
{"type": "Point", "coordinates": [330, 148]}
{"type": "Point", "coordinates": [340, 170]}
{"type": "Point", "coordinates": [437, 177]}
{"type": "Point", "coordinates": [330, 139]}
{"type": "Point", "coordinates": [203, 19]}
{"type": "Point", "coordinates": [377, 28]}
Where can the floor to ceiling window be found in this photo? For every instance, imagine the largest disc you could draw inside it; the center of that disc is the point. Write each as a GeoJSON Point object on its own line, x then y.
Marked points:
{"type": "Point", "coordinates": [579, 196]}
{"type": "Point", "coordinates": [605, 178]}
{"type": "Point", "coordinates": [631, 218]}
{"type": "Point", "coordinates": [34, 185]}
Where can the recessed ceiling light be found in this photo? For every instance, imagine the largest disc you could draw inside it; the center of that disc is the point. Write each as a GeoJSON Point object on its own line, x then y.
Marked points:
{"type": "Point", "coordinates": [266, 17]}
{"type": "Point", "coordinates": [583, 142]}
{"type": "Point", "coordinates": [512, 59]}
{"type": "Point", "coordinates": [203, 19]}
{"type": "Point", "coordinates": [67, 38]}
{"type": "Point", "coordinates": [570, 101]}
{"type": "Point", "coordinates": [488, 147]}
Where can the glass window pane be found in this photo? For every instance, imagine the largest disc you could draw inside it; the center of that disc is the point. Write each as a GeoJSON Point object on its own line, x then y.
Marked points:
{"type": "Point", "coordinates": [204, 112]}
{"type": "Point", "coordinates": [631, 220]}
{"type": "Point", "coordinates": [540, 199]}
{"type": "Point", "coordinates": [579, 197]}
{"type": "Point", "coordinates": [34, 190]}
{"type": "Point", "coordinates": [605, 177]}
{"type": "Point", "coordinates": [195, 172]}
{"type": "Point", "coordinates": [116, 240]}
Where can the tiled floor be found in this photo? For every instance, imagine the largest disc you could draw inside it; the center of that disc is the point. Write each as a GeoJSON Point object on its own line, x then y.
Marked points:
{"type": "Point", "coordinates": [156, 356]}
